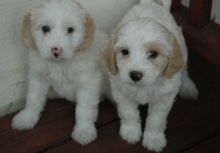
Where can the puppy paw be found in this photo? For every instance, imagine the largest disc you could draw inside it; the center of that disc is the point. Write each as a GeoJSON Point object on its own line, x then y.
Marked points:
{"type": "Point", "coordinates": [154, 141]}
{"type": "Point", "coordinates": [130, 133]}
{"type": "Point", "coordinates": [25, 120]}
{"type": "Point", "coordinates": [84, 134]}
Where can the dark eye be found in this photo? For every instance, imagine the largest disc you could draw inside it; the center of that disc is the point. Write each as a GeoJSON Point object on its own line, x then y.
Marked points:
{"type": "Point", "coordinates": [153, 54]}
{"type": "Point", "coordinates": [125, 52]}
{"type": "Point", "coordinates": [45, 29]}
{"type": "Point", "coordinates": [70, 30]}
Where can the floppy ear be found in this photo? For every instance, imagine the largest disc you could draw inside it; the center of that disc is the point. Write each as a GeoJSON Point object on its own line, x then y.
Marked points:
{"type": "Point", "coordinates": [109, 57]}
{"type": "Point", "coordinates": [89, 33]}
{"type": "Point", "coordinates": [175, 62]}
{"type": "Point", "coordinates": [26, 33]}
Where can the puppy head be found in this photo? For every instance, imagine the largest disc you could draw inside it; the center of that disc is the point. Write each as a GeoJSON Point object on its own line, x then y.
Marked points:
{"type": "Point", "coordinates": [143, 51]}
{"type": "Point", "coordinates": [58, 29]}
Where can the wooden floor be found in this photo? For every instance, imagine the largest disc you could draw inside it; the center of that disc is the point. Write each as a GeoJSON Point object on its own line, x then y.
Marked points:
{"type": "Point", "coordinates": [193, 126]}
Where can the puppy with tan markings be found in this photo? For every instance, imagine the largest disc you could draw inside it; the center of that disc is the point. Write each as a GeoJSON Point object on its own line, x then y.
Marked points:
{"type": "Point", "coordinates": [64, 55]}
{"type": "Point", "coordinates": [146, 60]}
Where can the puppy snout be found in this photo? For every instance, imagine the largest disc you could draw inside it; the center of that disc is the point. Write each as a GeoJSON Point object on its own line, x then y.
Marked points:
{"type": "Point", "coordinates": [136, 75]}
{"type": "Point", "coordinates": [57, 51]}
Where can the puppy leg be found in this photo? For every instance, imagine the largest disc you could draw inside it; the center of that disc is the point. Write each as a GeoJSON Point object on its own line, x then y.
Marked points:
{"type": "Point", "coordinates": [154, 137]}
{"type": "Point", "coordinates": [86, 114]}
{"type": "Point", "coordinates": [130, 129]}
{"type": "Point", "coordinates": [35, 101]}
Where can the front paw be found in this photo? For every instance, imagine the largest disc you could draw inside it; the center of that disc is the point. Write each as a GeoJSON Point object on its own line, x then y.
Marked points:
{"type": "Point", "coordinates": [84, 134]}
{"type": "Point", "coordinates": [154, 141]}
{"type": "Point", "coordinates": [131, 132]}
{"type": "Point", "coordinates": [25, 120]}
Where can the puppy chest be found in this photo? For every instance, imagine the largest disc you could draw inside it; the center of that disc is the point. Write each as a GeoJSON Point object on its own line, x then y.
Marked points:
{"type": "Point", "coordinates": [64, 82]}
{"type": "Point", "coordinates": [139, 95]}
{"type": "Point", "coordinates": [143, 97]}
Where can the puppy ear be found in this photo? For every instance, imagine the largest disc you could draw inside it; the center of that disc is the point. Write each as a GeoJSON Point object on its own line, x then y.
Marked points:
{"type": "Point", "coordinates": [109, 57]}
{"type": "Point", "coordinates": [175, 62]}
{"type": "Point", "coordinates": [89, 33]}
{"type": "Point", "coordinates": [26, 33]}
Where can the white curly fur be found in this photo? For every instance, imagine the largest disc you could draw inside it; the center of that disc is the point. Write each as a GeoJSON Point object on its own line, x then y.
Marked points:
{"type": "Point", "coordinates": [148, 26]}
{"type": "Point", "coordinates": [73, 72]}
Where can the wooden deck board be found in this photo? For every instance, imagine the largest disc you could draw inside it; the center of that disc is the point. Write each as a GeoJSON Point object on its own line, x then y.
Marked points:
{"type": "Point", "coordinates": [210, 146]}
{"type": "Point", "coordinates": [54, 127]}
{"type": "Point", "coordinates": [189, 124]}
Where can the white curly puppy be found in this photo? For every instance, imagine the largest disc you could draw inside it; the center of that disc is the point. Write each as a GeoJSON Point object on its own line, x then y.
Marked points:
{"type": "Point", "coordinates": [64, 55]}
{"type": "Point", "coordinates": [147, 59]}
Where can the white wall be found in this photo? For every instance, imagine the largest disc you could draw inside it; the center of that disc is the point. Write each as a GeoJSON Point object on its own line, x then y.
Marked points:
{"type": "Point", "coordinates": [13, 68]}
{"type": "Point", "coordinates": [215, 9]}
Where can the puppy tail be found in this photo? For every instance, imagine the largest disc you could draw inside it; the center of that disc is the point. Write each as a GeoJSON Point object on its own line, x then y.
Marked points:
{"type": "Point", "coordinates": [163, 3]}
{"type": "Point", "coordinates": [188, 88]}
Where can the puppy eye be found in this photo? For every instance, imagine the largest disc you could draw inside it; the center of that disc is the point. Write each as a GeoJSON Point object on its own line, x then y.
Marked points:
{"type": "Point", "coordinates": [45, 29]}
{"type": "Point", "coordinates": [70, 30]}
{"type": "Point", "coordinates": [152, 54]}
{"type": "Point", "coordinates": [125, 52]}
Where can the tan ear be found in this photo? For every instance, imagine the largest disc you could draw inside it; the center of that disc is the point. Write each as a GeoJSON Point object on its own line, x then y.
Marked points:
{"type": "Point", "coordinates": [109, 57]}
{"type": "Point", "coordinates": [26, 32]}
{"type": "Point", "coordinates": [175, 62]}
{"type": "Point", "coordinates": [89, 33]}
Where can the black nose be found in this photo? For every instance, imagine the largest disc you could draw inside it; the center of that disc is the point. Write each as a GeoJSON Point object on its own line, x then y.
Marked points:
{"type": "Point", "coordinates": [136, 76]}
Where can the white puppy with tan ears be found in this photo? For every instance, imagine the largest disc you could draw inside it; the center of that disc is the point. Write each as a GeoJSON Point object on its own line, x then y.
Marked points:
{"type": "Point", "coordinates": [147, 59]}
{"type": "Point", "coordinates": [64, 54]}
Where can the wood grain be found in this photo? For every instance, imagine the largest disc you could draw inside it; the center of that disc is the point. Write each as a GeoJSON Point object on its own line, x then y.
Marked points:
{"type": "Point", "coordinates": [200, 12]}
{"type": "Point", "coordinates": [210, 146]}
{"type": "Point", "coordinates": [205, 42]}
{"type": "Point", "coordinates": [54, 127]}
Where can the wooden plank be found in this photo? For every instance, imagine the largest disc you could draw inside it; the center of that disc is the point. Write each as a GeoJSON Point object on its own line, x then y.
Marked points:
{"type": "Point", "coordinates": [200, 12]}
{"type": "Point", "coordinates": [108, 142]}
{"type": "Point", "coordinates": [55, 126]}
{"type": "Point", "coordinates": [210, 146]}
{"type": "Point", "coordinates": [205, 42]}
{"type": "Point", "coordinates": [189, 123]}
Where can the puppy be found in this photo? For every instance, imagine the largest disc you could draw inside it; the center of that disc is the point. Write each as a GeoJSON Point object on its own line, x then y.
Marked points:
{"type": "Point", "coordinates": [146, 60]}
{"type": "Point", "coordinates": [64, 54]}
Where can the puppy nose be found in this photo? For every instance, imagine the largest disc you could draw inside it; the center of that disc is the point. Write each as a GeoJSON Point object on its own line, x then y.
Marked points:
{"type": "Point", "coordinates": [56, 51]}
{"type": "Point", "coordinates": [136, 75]}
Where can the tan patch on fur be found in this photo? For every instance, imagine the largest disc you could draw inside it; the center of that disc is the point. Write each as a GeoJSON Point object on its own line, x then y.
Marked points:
{"type": "Point", "coordinates": [109, 54]}
{"type": "Point", "coordinates": [89, 33]}
{"type": "Point", "coordinates": [109, 57]}
{"type": "Point", "coordinates": [26, 33]}
{"type": "Point", "coordinates": [154, 46]}
{"type": "Point", "coordinates": [161, 63]}
{"type": "Point", "coordinates": [175, 62]}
